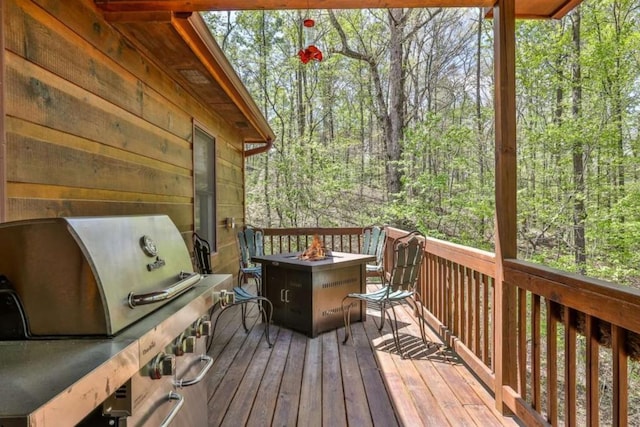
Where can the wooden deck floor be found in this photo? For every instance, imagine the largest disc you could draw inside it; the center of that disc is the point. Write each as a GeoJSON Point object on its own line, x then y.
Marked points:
{"type": "Point", "coordinates": [321, 382]}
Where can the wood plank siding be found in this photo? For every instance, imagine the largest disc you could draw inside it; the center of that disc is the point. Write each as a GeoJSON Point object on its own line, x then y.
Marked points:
{"type": "Point", "coordinates": [3, 143]}
{"type": "Point", "coordinates": [96, 125]}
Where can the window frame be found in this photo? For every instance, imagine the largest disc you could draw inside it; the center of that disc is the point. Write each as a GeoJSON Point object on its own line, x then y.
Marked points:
{"type": "Point", "coordinates": [212, 232]}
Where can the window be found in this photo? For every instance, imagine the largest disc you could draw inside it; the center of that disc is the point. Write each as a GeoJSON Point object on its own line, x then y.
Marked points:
{"type": "Point", "coordinates": [204, 164]}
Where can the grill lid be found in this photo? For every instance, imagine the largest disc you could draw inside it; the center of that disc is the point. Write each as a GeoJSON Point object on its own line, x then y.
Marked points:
{"type": "Point", "coordinates": [93, 275]}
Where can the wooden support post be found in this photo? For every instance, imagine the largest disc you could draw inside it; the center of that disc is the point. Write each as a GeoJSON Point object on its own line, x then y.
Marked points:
{"type": "Point", "coordinates": [505, 308]}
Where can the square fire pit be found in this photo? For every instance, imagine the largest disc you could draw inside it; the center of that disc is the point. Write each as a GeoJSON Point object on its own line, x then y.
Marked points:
{"type": "Point", "coordinates": [307, 294]}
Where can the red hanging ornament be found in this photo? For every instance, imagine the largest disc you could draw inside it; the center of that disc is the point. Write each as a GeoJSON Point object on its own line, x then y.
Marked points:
{"type": "Point", "coordinates": [311, 52]}
{"type": "Point", "coordinates": [304, 56]}
{"type": "Point", "coordinates": [314, 53]}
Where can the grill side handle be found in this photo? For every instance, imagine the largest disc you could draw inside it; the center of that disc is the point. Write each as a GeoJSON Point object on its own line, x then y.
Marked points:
{"type": "Point", "coordinates": [186, 282]}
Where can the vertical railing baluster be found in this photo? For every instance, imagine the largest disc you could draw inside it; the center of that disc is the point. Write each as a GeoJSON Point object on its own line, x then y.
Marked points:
{"type": "Point", "coordinates": [431, 285]}
{"type": "Point", "coordinates": [522, 342]}
{"type": "Point", "coordinates": [472, 314]}
{"type": "Point", "coordinates": [620, 381]}
{"type": "Point", "coordinates": [439, 289]}
{"type": "Point", "coordinates": [461, 304]}
{"type": "Point", "coordinates": [443, 292]}
{"type": "Point", "coordinates": [569, 367]}
{"type": "Point", "coordinates": [457, 301]}
{"type": "Point", "coordinates": [461, 301]}
{"type": "Point", "coordinates": [487, 347]}
{"type": "Point", "coordinates": [446, 283]}
{"type": "Point", "coordinates": [535, 353]}
{"type": "Point", "coordinates": [592, 369]}
{"type": "Point", "coordinates": [467, 308]}
{"type": "Point", "coordinates": [552, 364]}
{"type": "Point", "coordinates": [477, 279]}
{"type": "Point", "coordinates": [447, 294]}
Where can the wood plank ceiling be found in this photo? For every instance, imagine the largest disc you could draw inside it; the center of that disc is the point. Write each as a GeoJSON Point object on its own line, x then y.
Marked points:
{"type": "Point", "coordinates": [181, 44]}
{"type": "Point", "coordinates": [540, 9]}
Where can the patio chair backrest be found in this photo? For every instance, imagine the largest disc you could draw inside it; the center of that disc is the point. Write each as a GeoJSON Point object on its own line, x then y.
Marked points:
{"type": "Point", "coordinates": [408, 253]}
{"type": "Point", "coordinates": [251, 241]}
{"type": "Point", "coordinates": [202, 254]}
{"type": "Point", "coordinates": [373, 242]}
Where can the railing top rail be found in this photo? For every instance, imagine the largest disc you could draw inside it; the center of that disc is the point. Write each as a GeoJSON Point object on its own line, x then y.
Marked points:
{"type": "Point", "coordinates": [613, 303]}
{"type": "Point", "coordinates": [476, 259]}
{"type": "Point", "coordinates": [574, 279]}
{"type": "Point", "coordinates": [309, 231]}
{"type": "Point", "coordinates": [431, 241]}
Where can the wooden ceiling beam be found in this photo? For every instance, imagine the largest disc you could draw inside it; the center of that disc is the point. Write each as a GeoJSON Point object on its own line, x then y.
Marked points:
{"type": "Point", "coordinates": [565, 8]}
{"type": "Point", "coordinates": [139, 16]}
{"type": "Point", "coordinates": [206, 5]}
{"type": "Point", "coordinates": [524, 9]}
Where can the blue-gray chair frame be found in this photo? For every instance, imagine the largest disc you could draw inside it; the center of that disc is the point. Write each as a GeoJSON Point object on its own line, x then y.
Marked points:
{"type": "Point", "coordinates": [250, 243]}
{"type": "Point", "coordinates": [397, 288]}
{"type": "Point", "coordinates": [241, 297]}
{"type": "Point", "coordinates": [373, 243]}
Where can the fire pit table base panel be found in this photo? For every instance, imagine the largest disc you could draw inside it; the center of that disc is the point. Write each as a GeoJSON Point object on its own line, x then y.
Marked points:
{"type": "Point", "coordinates": [309, 300]}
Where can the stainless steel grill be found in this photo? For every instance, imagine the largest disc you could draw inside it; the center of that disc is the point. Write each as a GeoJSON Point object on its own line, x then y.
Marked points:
{"type": "Point", "coordinates": [97, 310]}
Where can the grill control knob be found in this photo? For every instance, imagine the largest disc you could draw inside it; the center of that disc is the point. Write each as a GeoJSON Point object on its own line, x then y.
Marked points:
{"type": "Point", "coordinates": [201, 327]}
{"type": "Point", "coordinates": [205, 328]}
{"type": "Point", "coordinates": [178, 345]}
{"type": "Point", "coordinates": [189, 344]}
{"type": "Point", "coordinates": [162, 365]}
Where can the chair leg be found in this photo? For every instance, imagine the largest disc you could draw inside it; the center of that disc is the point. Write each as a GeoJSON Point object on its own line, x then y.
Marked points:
{"type": "Point", "coordinates": [418, 311]}
{"type": "Point", "coordinates": [243, 311]}
{"type": "Point", "coordinates": [258, 281]}
{"type": "Point", "coordinates": [243, 308]}
{"type": "Point", "coordinates": [346, 317]}
{"type": "Point", "coordinates": [383, 310]}
{"type": "Point", "coordinates": [264, 314]}
{"type": "Point", "coordinates": [215, 322]}
{"type": "Point", "coordinates": [394, 331]}
{"type": "Point", "coordinates": [267, 317]}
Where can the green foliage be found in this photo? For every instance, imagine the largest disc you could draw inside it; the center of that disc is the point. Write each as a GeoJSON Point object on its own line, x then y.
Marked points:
{"type": "Point", "coordinates": [578, 138]}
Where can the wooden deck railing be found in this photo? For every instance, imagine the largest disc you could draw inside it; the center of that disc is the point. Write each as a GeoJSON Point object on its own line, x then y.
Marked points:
{"type": "Point", "coordinates": [568, 328]}
{"type": "Point", "coordinates": [280, 240]}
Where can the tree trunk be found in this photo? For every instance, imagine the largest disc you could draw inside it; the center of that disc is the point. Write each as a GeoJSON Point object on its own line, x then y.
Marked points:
{"type": "Point", "coordinates": [481, 145]}
{"type": "Point", "coordinates": [579, 213]}
{"type": "Point", "coordinates": [390, 111]}
{"type": "Point", "coordinates": [265, 106]}
{"type": "Point", "coordinates": [301, 77]}
{"type": "Point", "coordinates": [394, 129]}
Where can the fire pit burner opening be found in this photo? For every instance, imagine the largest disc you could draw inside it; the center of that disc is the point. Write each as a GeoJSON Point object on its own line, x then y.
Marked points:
{"type": "Point", "coordinates": [315, 252]}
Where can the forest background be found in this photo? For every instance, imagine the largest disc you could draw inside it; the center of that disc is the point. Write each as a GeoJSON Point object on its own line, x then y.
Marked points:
{"type": "Point", "coordinates": [395, 126]}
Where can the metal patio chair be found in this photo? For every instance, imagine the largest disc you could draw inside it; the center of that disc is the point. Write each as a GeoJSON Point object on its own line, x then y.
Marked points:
{"type": "Point", "coordinates": [238, 296]}
{"type": "Point", "coordinates": [400, 286]}
{"type": "Point", "coordinates": [202, 254]}
{"type": "Point", "coordinates": [250, 244]}
{"type": "Point", "coordinates": [373, 243]}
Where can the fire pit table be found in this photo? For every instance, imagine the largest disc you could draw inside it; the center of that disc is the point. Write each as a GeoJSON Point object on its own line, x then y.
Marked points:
{"type": "Point", "coordinates": [307, 294]}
